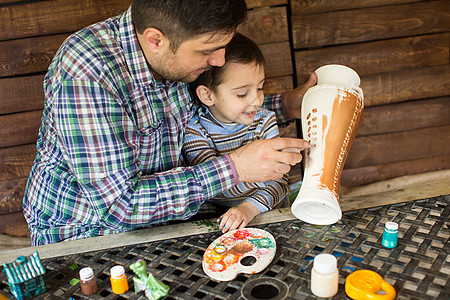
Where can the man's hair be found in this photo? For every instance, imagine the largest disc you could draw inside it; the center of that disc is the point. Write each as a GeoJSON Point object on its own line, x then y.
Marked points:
{"type": "Point", "coordinates": [241, 49]}
{"type": "Point", "coordinates": [180, 20]}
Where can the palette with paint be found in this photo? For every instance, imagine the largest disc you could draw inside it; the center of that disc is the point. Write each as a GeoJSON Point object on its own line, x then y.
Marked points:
{"type": "Point", "coordinates": [246, 250]}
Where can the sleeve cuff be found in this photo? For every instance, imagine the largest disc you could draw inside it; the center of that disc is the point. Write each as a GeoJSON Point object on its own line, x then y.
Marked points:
{"type": "Point", "coordinates": [232, 168]}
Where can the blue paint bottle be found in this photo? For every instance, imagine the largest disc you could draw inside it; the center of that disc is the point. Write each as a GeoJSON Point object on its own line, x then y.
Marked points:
{"type": "Point", "coordinates": [390, 235]}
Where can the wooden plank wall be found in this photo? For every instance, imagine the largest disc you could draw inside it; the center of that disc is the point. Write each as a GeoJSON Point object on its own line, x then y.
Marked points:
{"type": "Point", "coordinates": [32, 32]}
{"type": "Point", "coordinates": [400, 48]}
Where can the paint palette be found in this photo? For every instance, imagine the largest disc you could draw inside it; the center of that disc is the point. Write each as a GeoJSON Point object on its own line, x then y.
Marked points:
{"type": "Point", "coordinates": [246, 250]}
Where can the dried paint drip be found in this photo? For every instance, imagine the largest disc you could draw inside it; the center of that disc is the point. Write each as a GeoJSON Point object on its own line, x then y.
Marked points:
{"type": "Point", "coordinates": [223, 258]}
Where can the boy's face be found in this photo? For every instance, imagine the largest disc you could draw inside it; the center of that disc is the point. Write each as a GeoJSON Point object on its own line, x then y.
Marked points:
{"type": "Point", "coordinates": [193, 57]}
{"type": "Point", "coordinates": [240, 95]}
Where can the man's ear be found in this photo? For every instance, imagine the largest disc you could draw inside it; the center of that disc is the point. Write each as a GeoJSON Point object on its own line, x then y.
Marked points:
{"type": "Point", "coordinates": [205, 95]}
{"type": "Point", "coordinates": [154, 39]}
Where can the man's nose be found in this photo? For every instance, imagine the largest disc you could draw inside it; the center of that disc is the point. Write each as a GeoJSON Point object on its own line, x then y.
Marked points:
{"type": "Point", "coordinates": [217, 58]}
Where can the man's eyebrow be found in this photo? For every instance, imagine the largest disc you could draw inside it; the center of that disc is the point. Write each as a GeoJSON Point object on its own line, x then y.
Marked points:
{"type": "Point", "coordinates": [213, 49]}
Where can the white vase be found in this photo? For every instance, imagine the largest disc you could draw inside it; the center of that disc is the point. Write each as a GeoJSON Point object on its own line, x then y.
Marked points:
{"type": "Point", "coordinates": [331, 114]}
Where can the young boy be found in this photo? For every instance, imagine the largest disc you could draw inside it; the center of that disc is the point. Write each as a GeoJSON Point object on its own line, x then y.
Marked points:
{"type": "Point", "coordinates": [230, 116]}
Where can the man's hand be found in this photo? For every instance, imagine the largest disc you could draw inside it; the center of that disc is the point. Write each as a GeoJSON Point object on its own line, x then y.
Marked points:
{"type": "Point", "coordinates": [293, 99]}
{"type": "Point", "coordinates": [265, 160]}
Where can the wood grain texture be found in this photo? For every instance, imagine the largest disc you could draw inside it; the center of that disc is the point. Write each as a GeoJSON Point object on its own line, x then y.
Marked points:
{"type": "Point", "coordinates": [14, 225]}
{"type": "Point", "coordinates": [19, 94]}
{"type": "Point", "coordinates": [278, 85]}
{"type": "Point", "coordinates": [266, 25]}
{"type": "Point", "coordinates": [20, 128]}
{"type": "Point", "coordinates": [278, 59]}
{"type": "Point", "coordinates": [369, 174]}
{"type": "Point", "coordinates": [300, 7]}
{"type": "Point", "coordinates": [405, 116]}
{"type": "Point", "coordinates": [40, 18]}
{"type": "Point", "coordinates": [396, 147]}
{"type": "Point", "coordinates": [377, 57]}
{"type": "Point", "coordinates": [398, 183]}
{"type": "Point", "coordinates": [28, 55]}
{"type": "Point", "coordinates": [15, 162]}
{"type": "Point", "coordinates": [264, 3]}
{"type": "Point", "coordinates": [190, 228]}
{"type": "Point", "coordinates": [11, 195]}
{"type": "Point", "coordinates": [369, 24]}
{"type": "Point", "coordinates": [405, 85]}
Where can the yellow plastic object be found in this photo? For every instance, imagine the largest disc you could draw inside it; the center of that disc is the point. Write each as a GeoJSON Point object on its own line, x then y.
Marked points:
{"type": "Point", "coordinates": [365, 284]}
{"type": "Point", "coordinates": [3, 297]}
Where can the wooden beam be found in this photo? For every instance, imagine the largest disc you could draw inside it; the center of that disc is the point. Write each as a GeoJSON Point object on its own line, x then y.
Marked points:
{"type": "Point", "coordinates": [278, 59]}
{"type": "Point", "coordinates": [405, 85]}
{"type": "Point", "coordinates": [192, 228]}
{"type": "Point", "coordinates": [377, 57]}
{"type": "Point", "coordinates": [266, 25]}
{"type": "Point", "coordinates": [405, 116]}
{"type": "Point", "coordinates": [20, 128]}
{"type": "Point", "coordinates": [278, 85]}
{"type": "Point", "coordinates": [400, 146]}
{"type": "Point", "coordinates": [369, 174]}
{"type": "Point", "coordinates": [18, 94]}
{"type": "Point", "coordinates": [15, 162]}
{"type": "Point", "coordinates": [264, 3]}
{"type": "Point", "coordinates": [11, 195]}
{"type": "Point", "coordinates": [302, 7]}
{"type": "Point", "coordinates": [39, 18]}
{"type": "Point", "coordinates": [14, 225]}
{"type": "Point", "coordinates": [369, 24]}
{"type": "Point", "coordinates": [28, 55]}
{"type": "Point", "coordinates": [401, 183]}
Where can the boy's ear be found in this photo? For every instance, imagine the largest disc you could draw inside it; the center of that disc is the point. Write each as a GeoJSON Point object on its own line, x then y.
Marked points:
{"type": "Point", "coordinates": [154, 39]}
{"type": "Point", "coordinates": [205, 95]}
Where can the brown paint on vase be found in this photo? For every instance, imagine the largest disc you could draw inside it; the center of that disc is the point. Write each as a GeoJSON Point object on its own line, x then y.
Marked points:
{"type": "Point", "coordinates": [345, 118]}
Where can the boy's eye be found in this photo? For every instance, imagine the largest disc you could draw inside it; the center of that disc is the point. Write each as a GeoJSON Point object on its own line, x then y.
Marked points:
{"type": "Point", "coordinates": [242, 95]}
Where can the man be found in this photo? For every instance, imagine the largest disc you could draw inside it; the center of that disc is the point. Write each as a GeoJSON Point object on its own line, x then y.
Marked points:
{"type": "Point", "coordinates": [117, 103]}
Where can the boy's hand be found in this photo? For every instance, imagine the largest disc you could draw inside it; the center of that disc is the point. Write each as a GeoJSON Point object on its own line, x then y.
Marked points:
{"type": "Point", "coordinates": [238, 217]}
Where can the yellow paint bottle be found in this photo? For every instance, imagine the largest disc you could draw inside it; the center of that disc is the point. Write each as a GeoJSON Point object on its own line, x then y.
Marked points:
{"type": "Point", "coordinates": [119, 283]}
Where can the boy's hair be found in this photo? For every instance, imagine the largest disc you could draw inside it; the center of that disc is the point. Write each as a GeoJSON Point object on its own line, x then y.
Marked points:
{"type": "Point", "coordinates": [241, 49]}
{"type": "Point", "coordinates": [180, 20]}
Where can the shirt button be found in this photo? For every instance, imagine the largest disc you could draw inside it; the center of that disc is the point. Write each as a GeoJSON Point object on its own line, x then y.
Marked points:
{"type": "Point", "coordinates": [138, 162]}
{"type": "Point", "coordinates": [101, 175]}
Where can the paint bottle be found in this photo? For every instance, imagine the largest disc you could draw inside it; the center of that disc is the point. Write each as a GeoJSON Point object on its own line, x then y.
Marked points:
{"type": "Point", "coordinates": [119, 283]}
{"type": "Point", "coordinates": [88, 282]}
{"type": "Point", "coordinates": [324, 276]}
{"type": "Point", "coordinates": [390, 235]}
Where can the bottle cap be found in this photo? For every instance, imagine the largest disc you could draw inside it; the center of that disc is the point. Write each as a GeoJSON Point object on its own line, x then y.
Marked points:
{"type": "Point", "coordinates": [325, 263]}
{"type": "Point", "coordinates": [391, 226]}
{"type": "Point", "coordinates": [86, 273]}
{"type": "Point", "coordinates": [117, 271]}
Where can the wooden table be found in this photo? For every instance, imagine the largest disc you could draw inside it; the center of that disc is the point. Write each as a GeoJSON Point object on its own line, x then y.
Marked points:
{"type": "Point", "coordinates": [418, 268]}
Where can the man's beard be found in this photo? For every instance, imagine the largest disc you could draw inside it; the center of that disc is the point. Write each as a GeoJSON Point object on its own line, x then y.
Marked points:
{"type": "Point", "coordinates": [166, 68]}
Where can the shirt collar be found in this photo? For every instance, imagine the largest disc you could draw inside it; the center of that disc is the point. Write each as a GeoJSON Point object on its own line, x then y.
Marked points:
{"type": "Point", "coordinates": [134, 56]}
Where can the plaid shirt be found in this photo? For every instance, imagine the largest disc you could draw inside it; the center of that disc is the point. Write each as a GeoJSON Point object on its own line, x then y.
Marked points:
{"type": "Point", "coordinates": [109, 147]}
{"type": "Point", "coordinates": [207, 138]}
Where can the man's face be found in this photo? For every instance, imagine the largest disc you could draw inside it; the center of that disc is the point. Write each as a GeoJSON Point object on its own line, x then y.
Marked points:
{"type": "Point", "coordinates": [193, 57]}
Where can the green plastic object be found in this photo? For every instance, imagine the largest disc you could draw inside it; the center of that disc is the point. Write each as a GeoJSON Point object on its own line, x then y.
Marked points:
{"type": "Point", "coordinates": [153, 288]}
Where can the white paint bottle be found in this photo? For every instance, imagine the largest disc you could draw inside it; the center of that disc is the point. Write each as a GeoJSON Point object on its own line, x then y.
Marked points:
{"type": "Point", "coordinates": [324, 276]}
